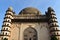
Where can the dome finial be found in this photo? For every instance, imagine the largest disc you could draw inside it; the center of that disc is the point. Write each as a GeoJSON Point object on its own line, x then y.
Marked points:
{"type": "Point", "coordinates": [10, 8]}
{"type": "Point", "coordinates": [50, 9]}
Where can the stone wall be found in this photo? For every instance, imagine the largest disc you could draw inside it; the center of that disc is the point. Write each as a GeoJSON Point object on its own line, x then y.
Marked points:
{"type": "Point", "coordinates": [17, 30]}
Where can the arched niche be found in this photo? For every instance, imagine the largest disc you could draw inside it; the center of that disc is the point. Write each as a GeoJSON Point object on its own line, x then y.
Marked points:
{"type": "Point", "coordinates": [30, 34]}
{"type": "Point", "coordinates": [5, 39]}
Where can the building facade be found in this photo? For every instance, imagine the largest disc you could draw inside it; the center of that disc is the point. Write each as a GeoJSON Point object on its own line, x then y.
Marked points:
{"type": "Point", "coordinates": [30, 24]}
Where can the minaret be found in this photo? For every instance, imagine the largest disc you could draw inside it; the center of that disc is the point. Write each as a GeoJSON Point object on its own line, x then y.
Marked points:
{"type": "Point", "coordinates": [7, 24]}
{"type": "Point", "coordinates": [53, 23]}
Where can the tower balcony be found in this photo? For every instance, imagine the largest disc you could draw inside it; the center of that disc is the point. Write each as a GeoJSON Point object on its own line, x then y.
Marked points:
{"type": "Point", "coordinates": [54, 25]}
{"type": "Point", "coordinates": [5, 35]}
{"type": "Point", "coordinates": [52, 13]}
{"type": "Point", "coordinates": [52, 17]}
{"type": "Point", "coordinates": [9, 12]}
{"type": "Point", "coordinates": [7, 18]}
{"type": "Point", "coordinates": [55, 32]}
{"type": "Point", "coordinates": [7, 22]}
{"type": "Point", "coordinates": [6, 30]}
{"type": "Point", "coordinates": [6, 26]}
{"type": "Point", "coordinates": [52, 20]}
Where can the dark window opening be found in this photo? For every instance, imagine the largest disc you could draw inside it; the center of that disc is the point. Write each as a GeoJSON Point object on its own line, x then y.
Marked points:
{"type": "Point", "coordinates": [56, 28]}
{"type": "Point", "coordinates": [7, 24]}
{"type": "Point", "coordinates": [30, 33]}
{"type": "Point", "coordinates": [57, 33]}
{"type": "Point", "coordinates": [6, 28]}
{"type": "Point", "coordinates": [8, 21]}
{"type": "Point", "coordinates": [29, 38]}
{"type": "Point", "coordinates": [6, 33]}
{"type": "Point", "coordinates": [5, 39]}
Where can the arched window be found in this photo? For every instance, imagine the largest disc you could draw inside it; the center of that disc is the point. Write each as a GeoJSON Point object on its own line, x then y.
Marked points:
{"type": "Point", "coordinates": [8, 20]}
{"type": "Point", "coordinates": [30, 34]}
{"type": "Point", "coordinates": [5, 39]}
{"type": "Point", "coordinates": [56, 28]}
{"type": "Point", "coordinates": [57, 33]}
{"type": "Point", "coordinates": [7, 24]}
{"type": "Point", "coordinates": [5, 33]}
{"type": "Point", "coordinates": [6, 28]}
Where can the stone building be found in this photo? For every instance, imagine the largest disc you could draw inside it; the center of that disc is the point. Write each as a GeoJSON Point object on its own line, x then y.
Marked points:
{"type": "Point", "coordinates": [30, 24]}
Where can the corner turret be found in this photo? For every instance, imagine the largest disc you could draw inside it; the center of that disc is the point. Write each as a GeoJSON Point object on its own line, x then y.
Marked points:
{"type": "Point", "coordinates": [7, 23]}
{"type": "Point", "coordinates": [53, 23]}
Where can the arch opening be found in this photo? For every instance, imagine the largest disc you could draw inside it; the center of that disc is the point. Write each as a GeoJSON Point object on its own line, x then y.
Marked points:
{"type": "Point", "coordinates": [30, 34]}
{"type": "Point", "coordinates": [5, 39]}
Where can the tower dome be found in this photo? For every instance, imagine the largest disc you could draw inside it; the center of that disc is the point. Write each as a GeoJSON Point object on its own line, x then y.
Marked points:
{"type": "Point", "coordinates": [30, 10]}
{"type": "Point", "coordinates": [10, 8]}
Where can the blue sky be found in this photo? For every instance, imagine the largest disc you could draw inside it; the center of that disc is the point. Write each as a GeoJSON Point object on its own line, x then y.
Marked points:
{"type": "Point", "coordinates": [18, 5]}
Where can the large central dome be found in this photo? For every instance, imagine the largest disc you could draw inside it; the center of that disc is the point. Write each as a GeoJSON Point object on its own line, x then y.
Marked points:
{"type": "Point", "coordinates": [30, 10]}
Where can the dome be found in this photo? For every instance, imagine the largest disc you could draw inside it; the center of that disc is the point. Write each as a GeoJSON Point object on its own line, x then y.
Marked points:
{"type": "Point", "coordinates": [29, 10]}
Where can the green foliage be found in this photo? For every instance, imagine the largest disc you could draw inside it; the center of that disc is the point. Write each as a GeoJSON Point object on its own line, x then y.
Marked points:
{"type": "Point", "coordinates": [53, 38]}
